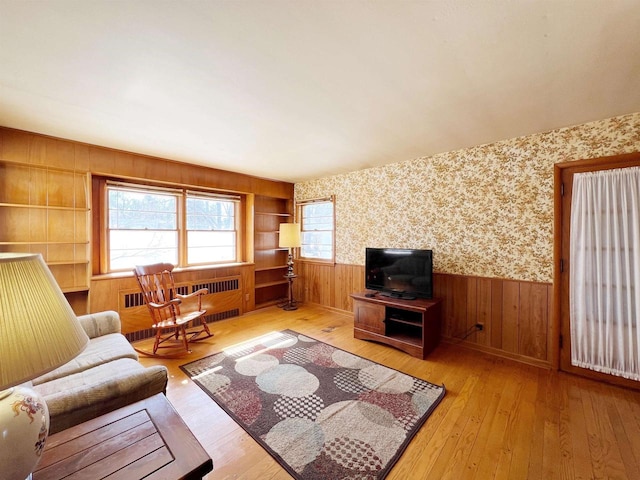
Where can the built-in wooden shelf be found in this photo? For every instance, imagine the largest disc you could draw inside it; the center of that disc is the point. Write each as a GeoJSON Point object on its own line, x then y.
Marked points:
{"type": "Point", "coordinates": [277, 267]}
{"type": "Point", "coordinates": [270, 258]}
{"type": "Point", "coordinates": [47, 210]}
{"type": "Point", "coordinates": [270, 284]}
{"type": "Point", "coordinates": [274, 214]}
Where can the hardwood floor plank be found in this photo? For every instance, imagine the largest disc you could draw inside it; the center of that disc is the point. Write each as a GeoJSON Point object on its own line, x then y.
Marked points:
{"type": "Point", "coordinates": [625, 407]}
{"type": "Point", "coordinates": [613, 465]}
{"type": "Point", "coordinates": [461, 448]}
{"type": "Point", "coordinates": [581, 460]}
{"type": "Point", "coordinates": [499, 419]}
{"type": "Point", "coordinates": [434, 429]}
{"type": "Point", "coordinates": [552, 401]}
{"type": "Point", "coordinates": [497, 451]}
{"type": "Point", "coordinates": [565, 433]}
{"type": "Point", "coordinates": [628, 446]}
{"type": "Point", "coordinates": [525, 457]}
{"type": "Point", "coordinates": [593, 436]}
{"type": "Point", "coordinates": [443, 442]}
{"type": "Point", "coordinates": [514, 452]}
{"type": "Point", "coordinates": [535, 470]}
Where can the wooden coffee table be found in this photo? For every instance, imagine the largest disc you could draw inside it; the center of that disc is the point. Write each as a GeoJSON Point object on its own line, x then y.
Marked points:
{"type": "Point", "coordinates": [146, 439]}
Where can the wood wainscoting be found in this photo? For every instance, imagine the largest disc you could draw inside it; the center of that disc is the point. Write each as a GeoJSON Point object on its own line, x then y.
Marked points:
{"type": "Point", "coordinates": [516, 316]}
{"type": "Point", "coordinates": [226, 298]}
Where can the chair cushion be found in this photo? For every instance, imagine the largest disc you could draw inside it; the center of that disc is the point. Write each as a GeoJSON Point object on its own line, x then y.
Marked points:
{"type": "Point", "coordinates": [87, 394]}
{"type": "Point", "coordinates": [100, 350]}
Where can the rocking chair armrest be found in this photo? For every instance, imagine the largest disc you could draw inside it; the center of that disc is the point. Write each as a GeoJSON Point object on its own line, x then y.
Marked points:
{"type": "Point", "coordinates": [174, 301]}
{"type": "Point", "coordinates": [202, 291]}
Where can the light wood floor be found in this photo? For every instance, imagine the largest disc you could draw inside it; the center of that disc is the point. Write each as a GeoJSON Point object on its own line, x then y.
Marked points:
{"type": "Point", "coordinates": [499, 419]}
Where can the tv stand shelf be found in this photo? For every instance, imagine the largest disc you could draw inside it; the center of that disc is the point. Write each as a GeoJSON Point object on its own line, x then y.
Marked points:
{"type": "Point", "coordinates": [412, 326]}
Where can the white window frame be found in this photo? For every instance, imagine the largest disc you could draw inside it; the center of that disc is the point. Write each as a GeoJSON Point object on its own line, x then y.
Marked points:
{"type": "Point", "coordinates": [233, 231]}
{"type": "Point", "coordinates": [307, 228]}
{"type": "Point", "coordinates": [181, 250]}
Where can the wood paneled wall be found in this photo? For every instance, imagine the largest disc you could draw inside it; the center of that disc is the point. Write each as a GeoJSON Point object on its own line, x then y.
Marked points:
{"type": "Point", "coordinates": [34, 149]}
{"type": "Point", "coordinates": [19, 148]}
{"type": "Point", "coordinates": [516, 316]}
{"type": "Point", "coordinates": [107, 294]}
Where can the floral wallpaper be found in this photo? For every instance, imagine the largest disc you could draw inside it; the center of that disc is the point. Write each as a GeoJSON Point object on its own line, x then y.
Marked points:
{"type": "Point", "coordinates": [484, 211]}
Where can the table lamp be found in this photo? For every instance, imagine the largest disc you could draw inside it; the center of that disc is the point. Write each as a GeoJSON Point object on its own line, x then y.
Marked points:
{"type": "Point", "coordinates": [38, 333]}
{"type": "Point", "coordinates": [290, 238]}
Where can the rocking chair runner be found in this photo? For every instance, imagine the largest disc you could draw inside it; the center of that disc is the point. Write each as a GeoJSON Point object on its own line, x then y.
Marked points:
{"type": "Point", "coordinates": [159, 290]}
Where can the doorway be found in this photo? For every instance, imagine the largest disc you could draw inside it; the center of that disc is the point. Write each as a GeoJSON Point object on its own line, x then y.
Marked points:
{"type": "Point", "coordinates": [563, 190]}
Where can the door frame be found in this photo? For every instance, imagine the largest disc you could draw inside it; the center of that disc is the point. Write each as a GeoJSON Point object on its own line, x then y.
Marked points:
{"type": "Point", "coordinates": [563, 186]}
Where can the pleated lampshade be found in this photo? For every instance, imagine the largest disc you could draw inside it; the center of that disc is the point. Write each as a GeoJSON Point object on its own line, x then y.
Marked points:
{"type": "Point", "coordinates": [289, 235]}
{"type": "Point", "coordinates": [38, 329]}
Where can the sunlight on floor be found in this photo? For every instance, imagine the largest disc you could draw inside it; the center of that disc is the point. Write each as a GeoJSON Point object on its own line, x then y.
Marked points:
{"type": "Point", "coordinates": [266, 339]}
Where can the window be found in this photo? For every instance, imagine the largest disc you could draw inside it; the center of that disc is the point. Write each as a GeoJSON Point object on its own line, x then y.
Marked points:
{"type": "Point", "coordinates": [211, 229]}
{"type": "Point", "coordinates": [183, 227]}
{"type": "Point", "coordinates": [143, 227]}
{"type": "Point", "coordinates": [317, 229]}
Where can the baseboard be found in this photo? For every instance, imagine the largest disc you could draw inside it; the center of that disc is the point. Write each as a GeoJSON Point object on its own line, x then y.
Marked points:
{"type": "Point", "coordinates": [499, 353]}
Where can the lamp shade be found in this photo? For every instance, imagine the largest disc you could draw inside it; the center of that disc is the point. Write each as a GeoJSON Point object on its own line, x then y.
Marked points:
{"type": "Point", "coordinates": [38, 328]}
{"type": "Point", "coordinates": [290, 235]}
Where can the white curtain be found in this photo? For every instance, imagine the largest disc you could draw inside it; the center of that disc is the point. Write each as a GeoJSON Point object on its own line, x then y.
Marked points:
{"type": "Point", "coordinates": [605, 272]}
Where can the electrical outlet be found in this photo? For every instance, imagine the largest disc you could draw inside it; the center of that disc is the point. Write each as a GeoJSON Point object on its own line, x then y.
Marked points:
{"type": "Point", "coordinates": [480, 326]}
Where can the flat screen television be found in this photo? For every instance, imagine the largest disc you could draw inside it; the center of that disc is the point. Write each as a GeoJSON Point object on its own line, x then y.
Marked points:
{"type": "Point", "coordinates": [399, 272]}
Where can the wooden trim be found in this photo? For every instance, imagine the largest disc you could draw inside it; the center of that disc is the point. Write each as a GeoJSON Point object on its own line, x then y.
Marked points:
{"type": "Point", "coordinates": [309, 201]}
{"type": "Point", "coordinates": [557, 258]}
{"type": "Point", "coordinates": [599, 163]}
{"type": "Point", "coordinates": [498, 352]}
{"type": "Point", "coordinates": [248, 228]}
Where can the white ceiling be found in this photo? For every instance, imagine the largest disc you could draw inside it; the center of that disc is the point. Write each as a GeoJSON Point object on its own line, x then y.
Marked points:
{"type": "Point", "coordinates": [300, 89]}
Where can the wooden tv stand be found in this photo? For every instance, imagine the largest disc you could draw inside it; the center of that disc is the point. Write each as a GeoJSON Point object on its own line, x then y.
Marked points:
{"type": "Point", "coordinates": [412, 326]}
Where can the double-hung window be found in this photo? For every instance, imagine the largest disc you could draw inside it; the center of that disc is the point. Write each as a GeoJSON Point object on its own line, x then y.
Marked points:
{"type": "Point", "coordinates": [153, 224]}
{"type": "Point", "coordinates": [212, 235]}
{"type": "Point", "coordinates": [317, 227]}
{"type": "Point", "coordinates": [143, 226]}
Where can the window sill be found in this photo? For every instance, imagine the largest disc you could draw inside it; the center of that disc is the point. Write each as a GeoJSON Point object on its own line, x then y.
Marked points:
{"type": "Point", "coordinates": [191, 268]}
{"type": "Point", "coordinates": [315, 261]}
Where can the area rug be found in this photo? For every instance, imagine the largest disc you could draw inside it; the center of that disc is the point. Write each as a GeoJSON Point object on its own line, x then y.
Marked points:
{"type": "Point", "coordinates": [321, 412]}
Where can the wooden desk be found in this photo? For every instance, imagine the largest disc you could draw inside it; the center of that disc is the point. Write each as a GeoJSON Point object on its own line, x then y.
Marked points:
{"type": "Point", "coordinates": [146, 439]}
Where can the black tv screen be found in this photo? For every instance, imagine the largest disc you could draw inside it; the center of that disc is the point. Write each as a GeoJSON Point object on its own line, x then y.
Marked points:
{"type": "Point", "coordinates": [398, 272]}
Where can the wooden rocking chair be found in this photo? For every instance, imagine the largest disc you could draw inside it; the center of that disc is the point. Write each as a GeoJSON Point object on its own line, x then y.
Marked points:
{"type": "Point", "coordinates": [159, 290]}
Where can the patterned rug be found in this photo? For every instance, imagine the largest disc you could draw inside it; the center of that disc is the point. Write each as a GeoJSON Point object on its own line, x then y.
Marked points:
{"type": "Point", "coordinates": [321, 412]}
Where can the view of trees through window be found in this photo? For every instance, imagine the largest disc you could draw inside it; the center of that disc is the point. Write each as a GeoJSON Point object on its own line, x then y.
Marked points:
{"type": "Point", "coordinates": [317, 230]}
{"type": "Point", "coordinates": [211, 230]}
{"type": "Point", "coordinates": [144, 226]}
